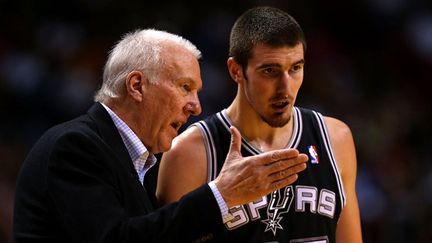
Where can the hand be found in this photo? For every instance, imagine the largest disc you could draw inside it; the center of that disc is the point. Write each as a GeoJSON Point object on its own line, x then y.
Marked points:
{"type": "Point", "coordinates": [245, 179]}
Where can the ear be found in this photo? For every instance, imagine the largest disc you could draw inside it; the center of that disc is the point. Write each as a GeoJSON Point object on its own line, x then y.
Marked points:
{"type": "Point", "coordinates": [235, 70]}
{"type": "Point", "coordinates": [136, 83]}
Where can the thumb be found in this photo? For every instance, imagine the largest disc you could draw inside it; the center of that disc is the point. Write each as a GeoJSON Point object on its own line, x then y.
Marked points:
{"type": "Point", "coordinates": [234, 150]}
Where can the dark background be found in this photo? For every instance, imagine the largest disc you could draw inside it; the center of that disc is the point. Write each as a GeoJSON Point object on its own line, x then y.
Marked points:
{"type": "Point", "coordinates": [368, 63]}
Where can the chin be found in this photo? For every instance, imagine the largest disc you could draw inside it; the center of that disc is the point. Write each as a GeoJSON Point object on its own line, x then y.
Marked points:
{"type": "Point", "coordinates": [165, 146]}
{"type": "Point", "coordinates": [278, 122]}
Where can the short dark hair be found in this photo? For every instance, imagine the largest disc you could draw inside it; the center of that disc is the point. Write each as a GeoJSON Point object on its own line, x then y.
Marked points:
{"type": "Point", "coordinates": [263, 25]}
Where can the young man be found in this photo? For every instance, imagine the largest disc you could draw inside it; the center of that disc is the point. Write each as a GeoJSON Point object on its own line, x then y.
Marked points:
{"type": "Point", "coordinates": [267, 62]}
{"type": "Point", "coordinates": [82, 181]}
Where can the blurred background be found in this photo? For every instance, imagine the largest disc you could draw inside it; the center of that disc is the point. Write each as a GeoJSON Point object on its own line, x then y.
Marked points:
{"type": "Point", "coordinates": [368, 63]}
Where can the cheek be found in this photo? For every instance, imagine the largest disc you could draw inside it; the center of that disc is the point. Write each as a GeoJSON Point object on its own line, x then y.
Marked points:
{"type": "Point", "coordinates": [169, 113]}
{"type": "Point", "coordinates": [264, 92]}
{"type": "Point", "coordinates": [297, 85]}
{"type": "Point", "coordinates": [299, 80]}
{"type": "Point", "coordinates": [258, 88]}
{"type": "Point", "coordinates": [253, 91]}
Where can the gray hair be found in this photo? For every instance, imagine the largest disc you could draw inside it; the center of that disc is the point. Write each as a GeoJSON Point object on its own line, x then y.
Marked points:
{"type": "Point", "coordinates": [141, 51]}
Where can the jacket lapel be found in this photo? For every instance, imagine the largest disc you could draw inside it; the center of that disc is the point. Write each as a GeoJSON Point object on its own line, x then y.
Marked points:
{"type": "Point", "coordinates": [111, 136]}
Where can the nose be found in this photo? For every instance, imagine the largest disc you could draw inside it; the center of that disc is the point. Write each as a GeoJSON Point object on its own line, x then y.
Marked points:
{"type": "Point", "coordinates": [285, 83]}
{"type": "Point", "coordinates": [193, 107]}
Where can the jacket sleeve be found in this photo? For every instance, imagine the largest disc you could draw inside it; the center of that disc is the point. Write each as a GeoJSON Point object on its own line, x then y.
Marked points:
{"type": "Point", "coordinates": [83, 187]}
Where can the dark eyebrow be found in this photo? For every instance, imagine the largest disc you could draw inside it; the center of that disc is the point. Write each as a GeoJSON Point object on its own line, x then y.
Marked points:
{"type": "Point", "coordinates": [267, 65]}
{"type": "Point", "coordinates": [301, 61]}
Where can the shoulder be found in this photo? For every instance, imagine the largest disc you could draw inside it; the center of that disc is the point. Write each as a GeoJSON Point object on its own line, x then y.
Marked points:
{"type": "Point", "coordinates": [187, 141]}
{"type": "Point", "coordinates": [68, 142]}
{"type": "Point", "coordinates": [187, 152]}
{"type": "Point", "coordinates": [342, 143]}
{"type": "Point", "coordinates": [70, 131]}
{"type": "Point", "coordinates": [66, 147]}
{"type": "Point", "coordinates": [73, 136]}
{"type": "Point", "coordinates": [339, 130]}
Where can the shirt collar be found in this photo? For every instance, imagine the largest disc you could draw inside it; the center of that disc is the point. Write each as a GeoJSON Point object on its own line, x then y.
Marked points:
{"type": "Point", "coordinates": [137, 151]}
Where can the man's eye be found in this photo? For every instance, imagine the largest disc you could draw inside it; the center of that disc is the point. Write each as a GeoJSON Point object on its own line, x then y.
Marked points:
{"type": "Point", "coordinates": [186, 87]}
{"type": "Point", "coordinates": [269, 71]}
{"type": "Point", "coordinates": [296, 68]}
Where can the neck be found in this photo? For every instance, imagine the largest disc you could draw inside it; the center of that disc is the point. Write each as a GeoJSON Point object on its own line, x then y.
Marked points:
{"type": "Point", "coordinates": [125, 111]}
{"type": "Point", "coordinates": [255, 130]}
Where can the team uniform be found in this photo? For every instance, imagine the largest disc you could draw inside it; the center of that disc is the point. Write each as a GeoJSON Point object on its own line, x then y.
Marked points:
{"type": "Point", "coordinates": [306, 211]}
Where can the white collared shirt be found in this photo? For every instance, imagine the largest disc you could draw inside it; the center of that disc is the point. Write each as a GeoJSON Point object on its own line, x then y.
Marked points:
{"type": "Point", "coordinates": [141, 158]}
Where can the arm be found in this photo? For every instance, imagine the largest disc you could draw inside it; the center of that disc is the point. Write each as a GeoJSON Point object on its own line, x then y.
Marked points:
{"type": "Point", "coordinates": [348, 228]}
{"type": "Point", "coordinates": [183, 168]}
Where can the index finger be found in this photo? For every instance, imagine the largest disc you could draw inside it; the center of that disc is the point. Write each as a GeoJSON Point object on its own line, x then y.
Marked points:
{"type": "Point", "coordinates": [276, 155]}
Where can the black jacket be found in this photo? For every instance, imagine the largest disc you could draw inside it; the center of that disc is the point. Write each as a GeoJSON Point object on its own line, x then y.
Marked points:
{"type": "Point", "coordinates": [78, 184]}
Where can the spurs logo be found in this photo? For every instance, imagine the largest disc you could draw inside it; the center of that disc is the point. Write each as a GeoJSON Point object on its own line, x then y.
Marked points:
{"type": "Point", "coordinates": [307, 199]}
{"type": "Point", "coordinates": [280, 203]}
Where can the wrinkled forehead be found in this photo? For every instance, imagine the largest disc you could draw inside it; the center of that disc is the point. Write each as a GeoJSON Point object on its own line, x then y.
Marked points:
{"type": "Point", "coordinates": [178, 62]}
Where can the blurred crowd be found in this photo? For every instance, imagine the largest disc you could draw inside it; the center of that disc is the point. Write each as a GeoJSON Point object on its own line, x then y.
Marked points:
{"type": "Point", "coordinates": [367, 63]}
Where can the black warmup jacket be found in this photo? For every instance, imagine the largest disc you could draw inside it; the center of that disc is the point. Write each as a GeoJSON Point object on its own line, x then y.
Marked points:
{"type": "Point", "coordinates": [78, 184]}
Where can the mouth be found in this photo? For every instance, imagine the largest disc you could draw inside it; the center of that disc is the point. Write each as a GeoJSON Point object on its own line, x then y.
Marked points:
{"type": "Point", "coordinates": [176, 125]}
{"type": "Point", "coordinates": [280, 105]}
